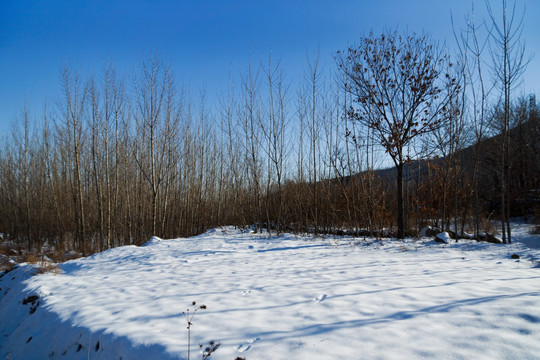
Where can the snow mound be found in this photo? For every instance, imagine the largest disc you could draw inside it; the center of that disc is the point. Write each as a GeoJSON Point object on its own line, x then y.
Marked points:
{"type": "Point", "coordinates": [443, 237]}
{"type": "Point", "coordinates": [153, 240]}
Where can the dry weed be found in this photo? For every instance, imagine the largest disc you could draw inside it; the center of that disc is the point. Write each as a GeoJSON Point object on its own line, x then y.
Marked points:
{"type": "Point", "coordinates": [30, 258]}
{"type": "Point", "coordinates": [45, 267]}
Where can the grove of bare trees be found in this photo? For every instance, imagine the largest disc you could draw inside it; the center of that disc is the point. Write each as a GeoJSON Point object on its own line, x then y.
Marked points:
{"type": "Point", "coordinates": [119, 158]}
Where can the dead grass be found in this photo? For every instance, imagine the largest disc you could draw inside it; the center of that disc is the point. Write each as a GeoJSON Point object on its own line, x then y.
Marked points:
{"type": "Point", "coordinates": [489, 227]}
{"type": "Point", "coordinates": [30, 258]}
{"type": "Point", "coordinates": [46, 267]}
{"type": "Point", "coordinates": [10, 249]}
{"type": "Point", "coordinates": [58, 256]}
{"type": "Point", "coordinates": [42, 265]}
{"type": "Point", "coordinates": [5, 264]}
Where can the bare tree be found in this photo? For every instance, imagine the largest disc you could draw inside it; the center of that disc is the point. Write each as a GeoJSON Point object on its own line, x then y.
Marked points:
{"type": "Point", "coordinates": [154, 91]}
{"type": "Point", "coordinates": [73, 110]}
{"type": "Point", "coordinates": [309, 112]}
{"type": "Point", "coordinates": [472, 48]}
{"type": "Point", "coordinates": [398, 83]}
{"type": "Point", "coordinates": [273, 130]}
{"type": "Point", "coordinates": [113, 113]}
{"type": "Point", "coordinates": [509, 63]}
{"type": "Point", "coordinates": [21, 163]}
{"type": "Point", "coordinates": [250, 114]}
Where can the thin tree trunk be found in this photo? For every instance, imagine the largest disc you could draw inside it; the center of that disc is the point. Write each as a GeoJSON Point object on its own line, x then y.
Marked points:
{"type": "Point", "coordinates": [400, 215]}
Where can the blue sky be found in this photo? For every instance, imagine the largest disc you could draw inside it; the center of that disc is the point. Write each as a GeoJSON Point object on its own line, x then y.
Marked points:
{"type": "Point", "coordinates": [204, 40]}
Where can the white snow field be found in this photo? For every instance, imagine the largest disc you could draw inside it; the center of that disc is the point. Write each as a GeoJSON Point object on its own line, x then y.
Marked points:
{"type": "Point", "coordinates": [279, 297]}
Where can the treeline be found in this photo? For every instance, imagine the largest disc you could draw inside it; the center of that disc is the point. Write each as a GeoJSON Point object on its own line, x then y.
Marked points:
{"type": "Point", "coordinates": [119, 159]}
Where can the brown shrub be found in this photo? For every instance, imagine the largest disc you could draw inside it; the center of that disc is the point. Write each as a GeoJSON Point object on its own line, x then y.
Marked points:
{"type": "Point", "coordinates": [30, 258]}
{"type": "Point", "coordinates": [5, 264]}
{"type": "Point", "coordinates": [45, 267]}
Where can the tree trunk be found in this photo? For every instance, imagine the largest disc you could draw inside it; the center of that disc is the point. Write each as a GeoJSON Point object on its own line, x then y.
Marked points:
{"type": "Point", "coordinates": [400, 217]}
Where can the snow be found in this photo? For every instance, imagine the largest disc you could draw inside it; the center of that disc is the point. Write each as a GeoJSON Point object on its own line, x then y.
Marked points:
{"type": "Point", "coordinates": [423, 232]}
{"type": "Point", "coordinates": [444, 237]}
{"type": "Point", "coordinates": [279, 297]}
{"type": "Point", "coordinates": [522, 233]}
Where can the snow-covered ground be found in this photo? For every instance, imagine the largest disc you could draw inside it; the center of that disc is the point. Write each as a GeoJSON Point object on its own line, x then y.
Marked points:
{"type": "Point", "coordinates": [280, 297]}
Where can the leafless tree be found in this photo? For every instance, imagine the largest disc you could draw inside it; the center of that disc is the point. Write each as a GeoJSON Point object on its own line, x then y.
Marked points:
{"type": "Point", "coordinates": [250, 115]}
{"type": "Point", "coordinates": [472, 46]}
{"type": "Point", "coordinates": [154, 91]}
{"type": "Point", "coordinates": [73, 110]}
{"type": "Point", "coordinates": [274, 126]}
{"type": "Point", "coordinates": [509, 63]}
{"type": "Point", "coordinates": [399, 87]}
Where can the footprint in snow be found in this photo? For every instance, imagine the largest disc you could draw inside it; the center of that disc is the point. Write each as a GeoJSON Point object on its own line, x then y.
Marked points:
{"type": "Point", "coordinates": [320, 298]}
{"type": "Point", "coordinates": [243, 347]}
{"type": "Point", "coordinates": [246, 346]}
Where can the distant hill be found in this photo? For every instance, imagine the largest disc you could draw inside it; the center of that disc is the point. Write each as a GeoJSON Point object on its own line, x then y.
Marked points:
{"type": "Point", "coordinates": [525, 167]}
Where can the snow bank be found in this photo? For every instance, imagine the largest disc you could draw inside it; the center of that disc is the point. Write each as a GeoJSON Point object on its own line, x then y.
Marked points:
{"type": "Point", "coordinates": [280, 297]}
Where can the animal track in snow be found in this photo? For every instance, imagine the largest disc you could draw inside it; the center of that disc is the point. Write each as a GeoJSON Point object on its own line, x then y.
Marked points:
{"type": "Point", "coordinates": [246, 347]}
{"type": "Point", "coordinates": [243, 347]}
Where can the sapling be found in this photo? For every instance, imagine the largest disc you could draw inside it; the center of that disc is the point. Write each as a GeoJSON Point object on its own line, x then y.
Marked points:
{"type": "Point", "coordinates": [188, 315]}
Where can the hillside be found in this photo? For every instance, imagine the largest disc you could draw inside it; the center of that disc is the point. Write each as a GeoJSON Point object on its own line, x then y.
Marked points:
{"type": "Point", "coordinates": [524, 168]}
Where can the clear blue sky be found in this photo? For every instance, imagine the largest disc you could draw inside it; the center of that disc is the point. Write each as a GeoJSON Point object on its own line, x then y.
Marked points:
{"type": "Point", "coordinates": [204, 39]}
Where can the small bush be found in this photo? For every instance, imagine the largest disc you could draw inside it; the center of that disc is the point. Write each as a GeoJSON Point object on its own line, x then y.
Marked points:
{"type": "Point", "coordinates": [30, 258]}
{"type": "Point", "coordinates": [44, 267]}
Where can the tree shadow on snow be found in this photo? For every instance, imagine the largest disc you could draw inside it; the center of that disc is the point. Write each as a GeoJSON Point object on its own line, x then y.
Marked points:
{"type": "Point", "coordinates": [318, 329]}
